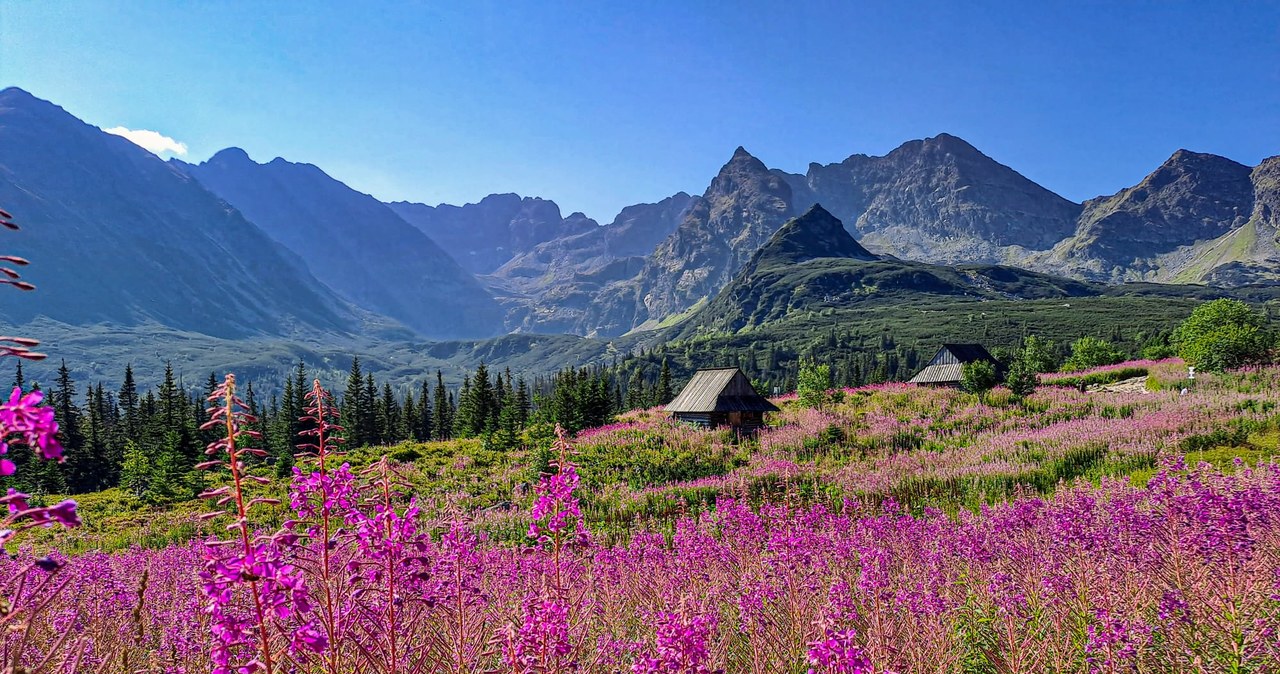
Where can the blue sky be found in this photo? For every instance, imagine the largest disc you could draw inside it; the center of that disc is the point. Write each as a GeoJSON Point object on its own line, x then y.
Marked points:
{"type": "Point", "coordinates": [600, 105]}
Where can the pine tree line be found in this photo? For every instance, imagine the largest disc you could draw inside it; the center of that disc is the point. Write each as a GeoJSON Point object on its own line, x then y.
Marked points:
{"type": "Point", "coordinates": [148, 442]}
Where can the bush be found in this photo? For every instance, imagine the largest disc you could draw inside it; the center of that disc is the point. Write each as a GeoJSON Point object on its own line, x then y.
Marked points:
{"type": "Point", "coordinates": [1039, 355]}
{"type": "Point", "coordinates": [1022, 379]}
{"type": "Point", "coordinates": [813, 385]}
{"type": "Point", "coordinates": [1223, 334]}
{"type": "Point", "coordinates": [978, 377]}
{"type": "Point", "coordinates": [1088, 352]}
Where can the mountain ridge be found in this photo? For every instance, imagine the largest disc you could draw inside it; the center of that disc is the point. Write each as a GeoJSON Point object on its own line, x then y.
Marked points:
{"type": "Point", "coordinates": [354, 244]}
{"type": "Point", "coordinates": [135, 240]}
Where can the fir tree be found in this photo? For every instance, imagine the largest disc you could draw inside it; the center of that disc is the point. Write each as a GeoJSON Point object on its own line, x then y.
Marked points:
{"type": "Point", "coordinates": [423, 431]}
{"type": "Point", "coordinates": [664, 394]}
{"type": "Point", "coordinates": [441, 421]}
{"type": "Point", "coordinates": [369, 415]}
{"type": "Point", "coordinates": [128, 400]}
{"type": "Point", "coordinates": [353, 406]}
{"type": "Point", "coordinates": [464, 418]}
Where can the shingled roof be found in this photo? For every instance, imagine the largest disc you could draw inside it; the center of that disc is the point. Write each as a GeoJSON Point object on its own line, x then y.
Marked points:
{"type": "Point", "coordinates": [947, 365]}
{"type": "Point", "coordinates": [720, 390]}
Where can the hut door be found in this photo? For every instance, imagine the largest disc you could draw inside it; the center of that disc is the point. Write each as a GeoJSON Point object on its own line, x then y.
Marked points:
{"type": "Point", "coordinates": [735, 419]}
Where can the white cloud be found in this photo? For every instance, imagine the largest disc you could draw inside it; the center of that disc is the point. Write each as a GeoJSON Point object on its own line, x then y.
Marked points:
{"type": "Point", "coordinates": [150, 140]}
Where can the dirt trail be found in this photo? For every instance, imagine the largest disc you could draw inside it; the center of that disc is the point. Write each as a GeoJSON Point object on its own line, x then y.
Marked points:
{"type": "Point", "coordinates": [1133, 385]}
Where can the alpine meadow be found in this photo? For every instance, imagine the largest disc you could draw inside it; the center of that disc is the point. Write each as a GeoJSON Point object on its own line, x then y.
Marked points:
{"type": "Point", "coordinates": [905, 411]}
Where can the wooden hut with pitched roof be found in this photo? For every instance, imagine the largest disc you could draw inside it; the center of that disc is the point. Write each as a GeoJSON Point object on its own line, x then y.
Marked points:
{"type": "Point", "coordinates": [948, 364]}
{"type": "Point", "coordinates": [721, 397]}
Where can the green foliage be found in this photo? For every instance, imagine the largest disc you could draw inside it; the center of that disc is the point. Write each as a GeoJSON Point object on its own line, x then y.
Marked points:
{"type": "Point", "coordinates": [1039, 355]}
{"type": "Point", "coordinates": [135, 475]}
{"type": "Point", "coordinates": [1223, 334]}
{"type": "Point", "coordinates": [813, 384]}
{"type": "Point", "coordinates": [644, 459]}
{"type": "Point", "coordinates": [1021, 378]}
{"type": "Point", "coordinates": [1088, 352]}
{"type": "Point", "coordinates": [978, 376]}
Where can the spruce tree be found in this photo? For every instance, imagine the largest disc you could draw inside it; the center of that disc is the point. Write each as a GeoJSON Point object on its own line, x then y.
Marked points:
{"type": "Point", "coordinates": [128, 400]}
{"type": "Point", "coordinates": [441, 423]}
{"type": "Point", "coordinates": [78, 466]}
{"type": "Point", "coordinates": [408, 418]}
{"type": "Point", "coordinates": [636, 394]}
{"type": "Point", "coordinates": [136, 470]}
{"type": "Point", "coordinates": [664, 394]}
{"type": "Point", "coordinates": [369, 415]}
{"type": "Point", "coordinates": [100, 471]}
{"type": "Point", "coordinates": [422, 432]}
{"type": "Point", "coordinates": [484, 408]}
{"type": "Point", "coordinates": [353, 406]}
{"type": "Point", "coordinates": [464, 418]}
{"type": "Point", "coordinates": [522, 403]}
{"type": "Point", "coordinates": [19, 382]}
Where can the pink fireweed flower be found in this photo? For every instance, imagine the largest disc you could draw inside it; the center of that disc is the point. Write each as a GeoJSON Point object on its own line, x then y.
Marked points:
{"type": "Point", "coordinates": [542, 642]}
{"type": "Point", "coordinates": [33, 425]}
{"type": "Point", "coordinates": [556, 511]}
{"type": "Point", "coordinates": [838, 653]}
{"type": "Point", "coordinates": [680, 645]}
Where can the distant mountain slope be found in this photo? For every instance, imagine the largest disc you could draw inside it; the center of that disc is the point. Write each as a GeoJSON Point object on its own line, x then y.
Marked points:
{"type": "Point", "coordinates": [116, 235]}
{"type": "Point", "coordinates": [1250, 254]}
{"type": "Point", "coordinates": [938, 200]}
{"type": "Point", "coordinates": [550, 287]}
{"type": "Point", "coordinates": [355, 245]}
{"type": "Point", "coordinates": [1191, 199]}
{"type": "Point", "coordinates": [816, 234]}
{"type": "Point", "coordinates": [740, 209]}
{"type": "Point", "coordinates": [484, 236]}
{"type": "Point", "coordinates": [794, 272]}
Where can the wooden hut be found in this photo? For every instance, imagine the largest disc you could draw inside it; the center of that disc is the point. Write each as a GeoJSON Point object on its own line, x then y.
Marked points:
{"type": "Point", "coordinates": [721, 397]}
{"type": "Point", "coordinates": [945, 368]}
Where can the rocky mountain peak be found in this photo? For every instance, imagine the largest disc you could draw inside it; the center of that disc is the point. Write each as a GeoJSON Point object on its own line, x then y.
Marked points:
{"type": "Point", "coordinates": [230, 156]}
{"type": "Point", "coordinates": [815, 234]}
{"type": "Point", "coordinates": [1195, 168]}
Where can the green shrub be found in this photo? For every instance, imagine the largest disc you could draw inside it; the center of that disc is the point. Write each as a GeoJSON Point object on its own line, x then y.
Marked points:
{"type": "Point", "coordinates": [1223, 334]}
{"type": "Point", "coordinates": [1088, 352]}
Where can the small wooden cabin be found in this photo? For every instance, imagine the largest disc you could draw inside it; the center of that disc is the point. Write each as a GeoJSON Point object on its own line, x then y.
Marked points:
{"type": "Point", "coordinates": [721, 397]}
{"type": "Point", "coordinates": [945, 368]}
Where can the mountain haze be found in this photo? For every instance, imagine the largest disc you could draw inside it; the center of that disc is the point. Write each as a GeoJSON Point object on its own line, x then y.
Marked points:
{"type": "Point", "coordinates": [355, 245]}
{"type": "Point", "coordinates": [484, 236]}
{"type": "Point", "coordinates": [551, 287]}
{"type": "Point", "coordinates": [118, 236]}
{"type": "Point", "coordinates": [232, 248]}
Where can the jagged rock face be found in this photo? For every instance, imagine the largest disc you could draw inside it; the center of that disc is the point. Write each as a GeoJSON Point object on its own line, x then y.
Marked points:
{"type": "Point", "coordinates": [116, 235]}
{"type": "Point", "coordinates": [744, 205]}
{"type": "Point", "coordinates": [813, 263]}
{"type": "Point", "coordinates": [634, 233]}
{"type": "Point", "coordinates": [1192, 197]}
{"type": "Point", "coordinates": [939, 200]}
{"type": "Point", "coordinates": [1266, 196]}
{"type": "Point", "coordinates": [356, 245]}
{"type": "Point", "coordinates": [1255, 257]}
{"type": "Point", "coordinates": [482, 237]}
